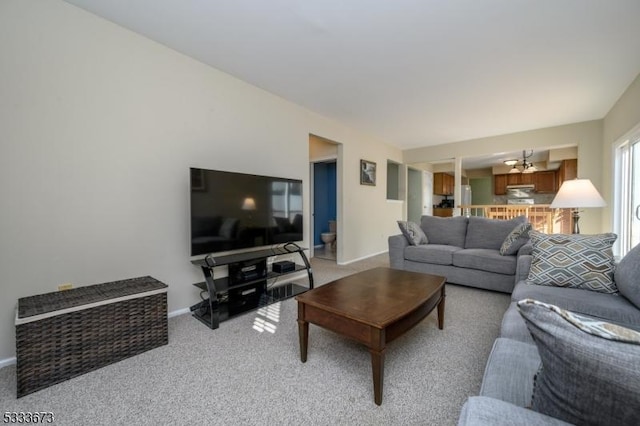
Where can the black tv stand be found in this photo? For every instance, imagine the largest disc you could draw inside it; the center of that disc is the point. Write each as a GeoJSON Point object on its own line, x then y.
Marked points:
{"type": "Point", "coordinates": [246, 287]}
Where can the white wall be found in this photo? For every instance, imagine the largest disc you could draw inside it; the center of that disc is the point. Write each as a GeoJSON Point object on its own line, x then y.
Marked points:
{"type": "Point", "coordinates": [98, 127]}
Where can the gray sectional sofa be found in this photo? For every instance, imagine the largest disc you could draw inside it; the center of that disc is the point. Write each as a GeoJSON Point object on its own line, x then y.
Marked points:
{"type": "Point", "coordinates": [599, 382]}
{"type": "Point", "coordinates": [465, 250]}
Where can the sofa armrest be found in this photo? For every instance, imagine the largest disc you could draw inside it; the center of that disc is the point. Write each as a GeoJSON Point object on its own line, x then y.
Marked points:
{"type": "Point", "coordinates": [522, 267]}
{"type": "Point", "coordinates": [485, 411]}
{"type": "Point", "coordinates": [525, 249]}
{"type": "Point", "coordinates": [397, 244]}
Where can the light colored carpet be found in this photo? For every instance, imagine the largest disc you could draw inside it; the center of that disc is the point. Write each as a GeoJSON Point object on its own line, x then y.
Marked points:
{"type": "Point", "coordinates": [239, 375]}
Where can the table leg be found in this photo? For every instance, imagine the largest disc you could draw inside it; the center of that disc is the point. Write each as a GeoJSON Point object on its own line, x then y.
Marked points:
{"type": "Point", "coordinates": [377, 350]}
{"type": "Point", "coordinates": [303, 332]}
{"type": "Point", "coordinates": [441, 310]}
{"type": "Point", "coordinates": [377, 366]}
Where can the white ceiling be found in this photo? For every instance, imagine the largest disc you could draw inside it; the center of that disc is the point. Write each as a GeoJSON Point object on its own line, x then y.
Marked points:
{"type": "Point", "coordinates": [412, 72]}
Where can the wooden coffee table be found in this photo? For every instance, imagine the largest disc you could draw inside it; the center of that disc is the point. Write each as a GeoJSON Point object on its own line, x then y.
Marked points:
{"type": "Point", "coordinates": [372, 307]}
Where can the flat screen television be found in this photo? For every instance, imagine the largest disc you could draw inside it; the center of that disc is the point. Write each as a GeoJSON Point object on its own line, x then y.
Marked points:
{"type": "Point", "coordinates": [231, 211]}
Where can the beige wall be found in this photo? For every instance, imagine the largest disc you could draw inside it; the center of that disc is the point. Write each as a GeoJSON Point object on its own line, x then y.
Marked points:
{"type": "Point", "coordinates": [98, 127]}
{"type": "Point", "coordinates": [587, 136]}
{"type": "Point", "coordinates": [321, 149]}
{"type": "Point", "coordinates": [621, 119]}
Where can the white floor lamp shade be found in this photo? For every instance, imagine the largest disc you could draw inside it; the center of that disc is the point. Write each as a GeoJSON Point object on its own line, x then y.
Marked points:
{"type": "Point", "coordinates": [575, 194]}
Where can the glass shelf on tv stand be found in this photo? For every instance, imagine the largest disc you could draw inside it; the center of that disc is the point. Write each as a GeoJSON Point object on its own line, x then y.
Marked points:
{"type": "Point", "coordinates": [232, 299]}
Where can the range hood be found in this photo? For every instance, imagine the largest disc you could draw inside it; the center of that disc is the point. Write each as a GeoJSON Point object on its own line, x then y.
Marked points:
{"type": "Point", "coordinates": [520, 191]}
{"type": "Point", "coordinates": [524, 187]}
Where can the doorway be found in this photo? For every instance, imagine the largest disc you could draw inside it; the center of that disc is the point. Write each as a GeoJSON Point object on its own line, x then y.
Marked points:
{"type": "Point", "coordinates": [324, 185]}
{"type": "Point", "coordinates": [415, 194]}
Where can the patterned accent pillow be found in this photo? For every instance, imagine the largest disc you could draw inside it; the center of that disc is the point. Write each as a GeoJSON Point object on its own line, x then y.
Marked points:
{"type": "Point", "coordinates": [573, 261]}
{"type": "Point", "coordinates": [593, 326]}
{"type": "Point", "coordinates": [584, 378]}
{"type": "Point", "coordinates": [412, 232]}
{"type": "Point", "coordinates": [516, 239]}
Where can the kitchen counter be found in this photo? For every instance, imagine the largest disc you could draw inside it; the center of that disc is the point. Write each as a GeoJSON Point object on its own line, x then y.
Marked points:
{"type": "Point", "coordinates": [443, 212]}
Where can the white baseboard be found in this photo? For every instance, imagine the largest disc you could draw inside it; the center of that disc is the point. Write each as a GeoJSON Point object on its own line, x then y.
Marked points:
{"type": "Point", "coordinates": [178, 312]}
{"type": "Point", "coordinates": [7, 362]}
{"type": "Point", "coordinates": [363, 258]}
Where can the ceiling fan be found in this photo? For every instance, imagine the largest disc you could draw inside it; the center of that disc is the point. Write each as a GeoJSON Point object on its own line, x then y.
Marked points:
{"type": "Point", "coordinates": [523, 167]}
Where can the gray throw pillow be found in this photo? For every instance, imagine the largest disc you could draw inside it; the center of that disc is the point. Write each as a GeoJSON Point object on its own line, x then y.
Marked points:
{"type": "Point", "coordinates": [412, 232]}
{"type": "Point", "coordinates": [627, 276]}
{"type": "Point", "coordinates": [516, 239]}
{"type": "Point", "coordinates": [573, 261]}
{"type": "Point", "coordinates": [590, 373]}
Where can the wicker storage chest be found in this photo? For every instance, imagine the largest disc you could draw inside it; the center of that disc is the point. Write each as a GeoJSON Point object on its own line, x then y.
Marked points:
{"type": "Point", "coordinates": [65, 334]}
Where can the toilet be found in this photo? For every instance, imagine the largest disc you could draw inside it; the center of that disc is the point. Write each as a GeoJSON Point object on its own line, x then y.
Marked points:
{"type": "Point", "coordinates": [329, 238]}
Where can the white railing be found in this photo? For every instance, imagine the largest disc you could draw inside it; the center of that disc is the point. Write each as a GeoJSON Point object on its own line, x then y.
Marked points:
{"type": "Point", "coordinates": [542, 217]}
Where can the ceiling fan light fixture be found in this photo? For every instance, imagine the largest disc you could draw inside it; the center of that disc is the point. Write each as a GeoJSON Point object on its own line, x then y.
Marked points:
{"type": "Point", "coordinates": [524, 167]}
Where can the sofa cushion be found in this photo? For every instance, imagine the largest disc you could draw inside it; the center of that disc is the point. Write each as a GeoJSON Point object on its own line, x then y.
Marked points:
{"type": "Point", "coordinates": [585, 379]}
{"type": "Point", "coordinates": [489, 233]}
{"type": "Point", "coordinates": [445, 230]}
{"type": "Point", "coordinates": [484, 411]}
{"type": "Point", "coordinates": [609, 307]}
{"type": "Point", "coordinates": [431, 253]}
{"type": "Point", "coordinates": [627, 276]}
{"type": "Point", "coordinates": [509, 373]}
{"type": "Point", "coordinates": [412, 232]}
{"type": "Point", "coordinates": [486, 260]}
{"type": "Point", "coordinates": [518, 237]}
{"type": "Point", "coordinates": [576, 261]}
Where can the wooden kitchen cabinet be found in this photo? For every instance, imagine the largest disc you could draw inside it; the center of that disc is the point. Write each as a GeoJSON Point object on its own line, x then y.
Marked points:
{"type": "Point", "coordinates": [443, 184]}
{"type": "Point", "coordinates": [526, 178]}
{"type": "Point", "coordinates": [513, 178]}
{"type": "Point", "coordinates": [568, 170]}
{"type": "Point", "coordinates": [500, 184]}
{"type": "Point", "coordinates": [545, 182]}
{"type": "Point", "coordinates": [520, 178]}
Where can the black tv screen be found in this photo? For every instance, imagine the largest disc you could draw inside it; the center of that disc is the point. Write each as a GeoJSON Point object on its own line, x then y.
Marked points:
{"type": "Point", "coordinates": [231, 211]}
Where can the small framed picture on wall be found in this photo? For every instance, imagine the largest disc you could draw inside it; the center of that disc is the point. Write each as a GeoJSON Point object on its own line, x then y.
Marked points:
{"type": "Point", "coordinates": [367, 173]}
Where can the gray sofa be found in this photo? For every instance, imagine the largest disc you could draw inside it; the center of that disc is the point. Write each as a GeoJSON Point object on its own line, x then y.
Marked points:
{"type": "Point", "coordinates": [465, 250]}
{"type": "Point", "coordinates": [508, 383]}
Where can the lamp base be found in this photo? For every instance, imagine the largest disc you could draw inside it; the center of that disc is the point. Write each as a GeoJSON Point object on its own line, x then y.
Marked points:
{"type": "Point", "coordinates": [575, 215]}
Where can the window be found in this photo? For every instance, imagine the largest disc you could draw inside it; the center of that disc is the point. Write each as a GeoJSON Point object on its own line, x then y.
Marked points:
{"type": "Point", "coordinates": [626, 207]}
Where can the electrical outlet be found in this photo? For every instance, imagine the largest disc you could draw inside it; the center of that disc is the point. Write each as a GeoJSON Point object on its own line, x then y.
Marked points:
{"type": "Point", "coordinates": [65, 286]}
